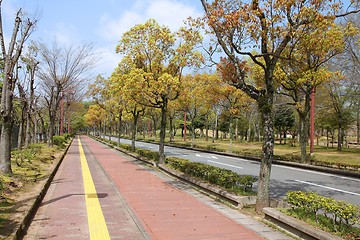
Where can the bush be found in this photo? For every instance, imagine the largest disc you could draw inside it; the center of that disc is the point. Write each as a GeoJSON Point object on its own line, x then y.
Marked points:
{"type": "Point", "coordinates": [342, 215]}
{"type": "Point", "coordinates": [59, 141]}
{"type": "Point", "coordinates": [222, 177]}
{"type": "Point", "coordinates": [68, 136]}
{"type": "Point", "coordinates": [148, 154]}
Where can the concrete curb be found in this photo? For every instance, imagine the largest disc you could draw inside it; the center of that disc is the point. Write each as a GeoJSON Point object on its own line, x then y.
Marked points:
{"type": "Point", "coordinates": [295, 226]}
{"type": "Point", "coordinates": [24, 225]}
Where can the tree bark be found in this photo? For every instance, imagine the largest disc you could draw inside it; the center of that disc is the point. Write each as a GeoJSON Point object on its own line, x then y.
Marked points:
{"type": "Point", "coordinates": [133, 132]}
{"type": "Point", "coordinates": [265, 104]}
{"type": "Point", "coordinates": [11, 57]}
{"type": "Point", "coordinates": [163, 131]}
{"type": "Point", "coordinates": [172, 132]}
{"type": "Point", "coordinates": [340, 137]}
{"type": "Point", "coordinates": [119, 129]}
{"type": "Point", "coordinates": [231, 136]}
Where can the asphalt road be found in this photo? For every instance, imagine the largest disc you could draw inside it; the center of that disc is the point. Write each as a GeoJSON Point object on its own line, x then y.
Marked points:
{"type": "Point", "coordinates": [283, 178]}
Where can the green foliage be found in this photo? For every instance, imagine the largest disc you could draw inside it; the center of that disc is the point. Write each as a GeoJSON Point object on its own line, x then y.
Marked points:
{"type": "Point", "coordinates": [284, 118]}
{"type": "Point", "coordinates": [68, 136]}
{"type": "Point", "coordinates": [218, 176]}
{"type": "Point", "coordinates": [27, 154]}
{"type": "Point", "coordinates": [149, 154]}
{"type": "Point", "coordinates": [59, 140]}
{"type": "Point", "coordinates": [343, 216]}
{"type": "Point", "coordinates": [125, 146]}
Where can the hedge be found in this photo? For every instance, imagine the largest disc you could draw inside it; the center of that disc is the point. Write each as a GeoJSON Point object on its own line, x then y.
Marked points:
{"type": "Point", "coordinates": [342, 215]}
{"type": "Point", "coordinates": [222, 177]}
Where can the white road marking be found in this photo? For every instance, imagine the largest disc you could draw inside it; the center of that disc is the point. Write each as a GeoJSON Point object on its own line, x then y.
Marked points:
{"type": "Point", "coordinates": [198, 155]}
{"type": "Point", "coordinates": [318, 173]}
{"type": "Point", "coordinates": [229, 165]}
{"type": "Point", "coordinates": [237, 159]}
{"type": "Point", "coordinates": [215, 157]}
{"type": "Point", "coordinates": [330, 188]}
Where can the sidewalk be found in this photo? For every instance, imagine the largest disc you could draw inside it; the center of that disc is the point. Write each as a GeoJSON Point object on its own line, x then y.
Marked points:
{"type": "Point", "coordinates": [137, 202]}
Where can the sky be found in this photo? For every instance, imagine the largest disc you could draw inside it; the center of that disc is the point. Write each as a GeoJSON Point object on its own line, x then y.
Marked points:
{"type": "Point", "coordinates": [101, 22]}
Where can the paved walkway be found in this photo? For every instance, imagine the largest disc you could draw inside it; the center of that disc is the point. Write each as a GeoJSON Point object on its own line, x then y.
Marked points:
{"type": "Point", "coordinates": [99, 193]}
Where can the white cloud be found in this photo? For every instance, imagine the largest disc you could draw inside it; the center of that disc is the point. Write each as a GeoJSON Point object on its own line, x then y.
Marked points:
{"type": "Point", "coordinates": [170, 13]}
{"type": "Point", "coordinates": [63, 34]}
{"type": "Point", "coordinates": [112, 29]}
{"type": "Point", "coordinates": [108, 60]}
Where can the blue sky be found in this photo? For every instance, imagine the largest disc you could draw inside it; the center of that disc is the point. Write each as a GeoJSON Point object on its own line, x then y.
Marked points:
{"type": "Point", "coordinates": [101, 22]}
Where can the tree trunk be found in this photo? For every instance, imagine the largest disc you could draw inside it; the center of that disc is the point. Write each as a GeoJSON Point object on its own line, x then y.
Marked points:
{"type": "Point", "coordinates": [119, 129]}
{"type": "Point", "coordinates": [134, 129]}
{"type": "Point", "coordinates": [7, 120]}
{"type": "Point", "coordinates": [231, 136]}
{"type": "Point", "coordinates": [5, 148]}
{"type": "Point", "coordinates": [216, 127]}
{"type": "Point", "coordinates": [266, 111]}
{"type": "Point", "coordinates": [35, 136]}
{"type": "Point", "coordinates": [303, 137]}
{"type": "Point", "coordinates": [162, 132]}
{"type": "Point", "coordinates": [51, 129]}
{"type": "Point", "coordinates": [28, 130]}
{"type": "Point", "coordinates": [340, 137]}
{"type": "Point", "coordinates": [236, 129]}
{"type": "Point", "coordinates": [21, 130]}
{"type": "Point", "coordinates": [172, 135]}
{"type": "Point", "coordinates": [155, 124]}
{"type": "Point", "coordinates": [327, 138]}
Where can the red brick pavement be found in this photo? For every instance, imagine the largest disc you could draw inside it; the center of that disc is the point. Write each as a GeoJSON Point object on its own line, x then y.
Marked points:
{"type": "Point", "coordinates": [165, 211]}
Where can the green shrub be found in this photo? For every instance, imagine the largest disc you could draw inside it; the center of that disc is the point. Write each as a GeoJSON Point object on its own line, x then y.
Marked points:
{"type": "Point", "coordinates": [59, 140]}
{"type": "Point", "coordinates": [148, 154]}
{"type": "Point", "coordinates": [344, 216]}
{"type": "Point", "coordinates": [125, 146]}
{"type": "Point", "coordinates": [222, 177]}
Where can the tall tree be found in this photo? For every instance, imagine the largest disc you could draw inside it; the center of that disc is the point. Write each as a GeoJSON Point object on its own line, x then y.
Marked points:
{"type": "Point", "coordinates": [157, 58]}
{"type": "Point", "coordinates": [23, 27]}
{"type": "Point", "coordinates": [63, 71]}
{"type": "Point", "coordinates": [305, 71]}
{"type": "Point", "coordinates": [268, 26]}
{"type": "Point", "coordinates": [195, 98]}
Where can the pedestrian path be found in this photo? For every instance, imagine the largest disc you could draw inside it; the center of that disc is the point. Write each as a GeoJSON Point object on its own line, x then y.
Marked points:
{"type": "Point", "coordinates": [99, 193]}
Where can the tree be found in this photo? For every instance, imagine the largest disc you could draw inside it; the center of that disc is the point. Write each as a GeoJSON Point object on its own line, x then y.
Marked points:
{"type": "Point", "coordinates": [195, 98]}
{"type": "Point", "coordinates": [94, 117]}
{"type": "Point", "coordinates": [233, 101]}
{"type": "Point", "coordinates": [306, 70]}
{"type": "Point", "coordinates": [269, 26]}
{"type": "Point", "coordinates": [63, 71]}
{"type": "Point", "coordinates": [23, 27]}
{"type": "Point", "coordinates": [156, 59]}
{"type": "Point", "coordinates": [349, 62]}
{"type": "Point", "coordinates": [284, 120]}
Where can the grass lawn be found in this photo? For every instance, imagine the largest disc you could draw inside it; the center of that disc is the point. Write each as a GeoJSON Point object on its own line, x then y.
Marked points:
{"type": "Point", "coordinates": [30, 167]}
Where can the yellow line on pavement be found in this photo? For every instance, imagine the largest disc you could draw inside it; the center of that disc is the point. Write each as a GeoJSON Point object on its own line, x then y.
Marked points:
{"type": "Point", "coordinates": [96, 220]}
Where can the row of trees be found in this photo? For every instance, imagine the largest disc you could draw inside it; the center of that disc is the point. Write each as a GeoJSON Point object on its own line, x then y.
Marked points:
{"type": "Point", "coordinates": [38, 84]}
{"type": "Point", "coordinates": [273, 52]}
